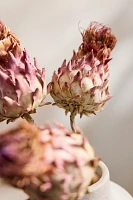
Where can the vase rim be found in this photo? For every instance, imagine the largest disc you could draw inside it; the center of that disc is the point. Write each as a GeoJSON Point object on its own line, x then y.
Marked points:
{"type": "Point", "coordinates": [103, 179]}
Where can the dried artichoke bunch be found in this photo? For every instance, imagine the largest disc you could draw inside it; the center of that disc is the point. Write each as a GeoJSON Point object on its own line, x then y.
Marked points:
{"type": "Point", "coordinates": [80, 86]}
{"type": "Point", "coordinates": [50, 163]}
{"type": "Point", "coordinates": [22, 86]}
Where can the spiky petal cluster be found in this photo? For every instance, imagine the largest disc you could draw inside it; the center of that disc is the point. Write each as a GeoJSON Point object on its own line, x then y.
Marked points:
{"type": "Point", "coordinates": [50, 163]}
{"type": "Point", "coordinates": [22, 86]}
{"type": "Point", "coordinates": [80, 87]}
{"type": "Point", "coordinates": [8, 41]}
{"type": "Point", "coordinates": [98, 38]}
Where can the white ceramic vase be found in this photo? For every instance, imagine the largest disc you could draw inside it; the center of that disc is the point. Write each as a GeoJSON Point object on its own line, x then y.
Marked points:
{"type": "Point", "coordinates": [104, 189]}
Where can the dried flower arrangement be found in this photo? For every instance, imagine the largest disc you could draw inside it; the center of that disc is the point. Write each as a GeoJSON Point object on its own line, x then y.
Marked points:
{"type": "Point", "coordinates": [52, 162]}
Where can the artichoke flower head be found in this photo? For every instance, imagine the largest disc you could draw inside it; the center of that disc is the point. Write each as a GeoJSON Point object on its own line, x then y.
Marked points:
{"type": "Point", "coordinates": [50, 163]}
{"type": "Point", "coordinates": [80, 86]}
{"type": "Point", "coordinates": [22, 86]}
{"type": "Point", "coordinates": [99, 39]}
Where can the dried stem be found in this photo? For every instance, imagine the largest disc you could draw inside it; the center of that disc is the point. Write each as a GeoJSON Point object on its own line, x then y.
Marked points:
{"type": "Point", "coordinates": [72, 120]}
{"type": "Point", "coordinates": [28, 118]}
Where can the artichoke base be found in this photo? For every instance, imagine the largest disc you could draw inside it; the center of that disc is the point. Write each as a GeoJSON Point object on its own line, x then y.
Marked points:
{"type": "Point", "coordinates": [77, 108]}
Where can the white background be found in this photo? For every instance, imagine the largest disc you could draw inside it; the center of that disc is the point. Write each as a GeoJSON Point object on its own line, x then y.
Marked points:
{"type": "Point", "coordinates": [49, 31]}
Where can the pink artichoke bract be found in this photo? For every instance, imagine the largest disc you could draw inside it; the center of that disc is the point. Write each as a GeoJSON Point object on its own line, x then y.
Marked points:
{"type": "Point", "coordinates": [50, 163]}
{"type": "Point", "coordinates": [98, 38]}
{"type": "Point", "coordinates": [22, 86]}
{"type": "Point", "coordinates": [80, 87]}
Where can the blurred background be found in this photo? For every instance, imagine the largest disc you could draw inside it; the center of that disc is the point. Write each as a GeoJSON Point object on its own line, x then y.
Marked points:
{"type": "Point", "coordinates": [49, 30]}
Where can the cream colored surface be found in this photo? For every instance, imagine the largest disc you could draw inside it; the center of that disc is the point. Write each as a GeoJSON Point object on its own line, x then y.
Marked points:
{"type": "Point", "coordinates": [49, 29]}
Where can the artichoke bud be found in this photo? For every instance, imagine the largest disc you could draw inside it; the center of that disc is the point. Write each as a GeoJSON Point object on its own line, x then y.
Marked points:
{"type": "Point", "coordinates": [80, 87]}
{"type": "Point", "coordinates": [22, 86]}
{"type": "Point", "coordinates": [50, 162]}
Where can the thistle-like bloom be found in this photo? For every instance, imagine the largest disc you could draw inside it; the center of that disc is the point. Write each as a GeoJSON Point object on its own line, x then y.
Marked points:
{"type": "Point", "coordinates": [50, 163]}
{"type": "Point", "coordinates": [80, 87]}
{"type": "Point", "coordinates": [8, 41]}
{"type": "Point", "coordinates": [22, 86]}
{"type": "Point", "coordinates": [98, 38]}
